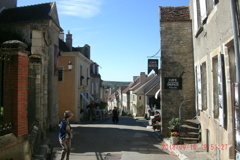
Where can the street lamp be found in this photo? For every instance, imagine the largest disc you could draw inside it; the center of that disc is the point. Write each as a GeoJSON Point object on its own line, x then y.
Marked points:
{"type": "Point", "coordinates": [70, 65]}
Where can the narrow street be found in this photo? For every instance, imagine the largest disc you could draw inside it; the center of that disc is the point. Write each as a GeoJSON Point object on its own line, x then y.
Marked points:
{"type": "Point", "coordinates": [127, 140]}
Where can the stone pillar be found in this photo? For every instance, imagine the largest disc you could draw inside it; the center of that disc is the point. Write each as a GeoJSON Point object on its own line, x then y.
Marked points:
{"type": "Point", "coordinates": [15, 90]}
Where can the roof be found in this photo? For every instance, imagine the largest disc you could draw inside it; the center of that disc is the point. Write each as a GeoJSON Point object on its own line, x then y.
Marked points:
{"type": "Point", "coordinates": [148, 85]}
{"type": "Point", "coordinates": [152, 91]}
{"type": "Point", "coordinates": [63, 46]}
{"type": "Point", "coordinates": [172, 14]}
{"type": "Point", "coordinates": [131, 85]}
{"type": "Point", "coordinates": [27, 14]}
{"type": "Point", "coordinates": [140, 84]}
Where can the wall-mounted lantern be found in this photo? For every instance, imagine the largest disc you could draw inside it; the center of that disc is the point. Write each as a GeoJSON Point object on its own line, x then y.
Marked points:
{"type": "Point", "coordinates": [70, 65]}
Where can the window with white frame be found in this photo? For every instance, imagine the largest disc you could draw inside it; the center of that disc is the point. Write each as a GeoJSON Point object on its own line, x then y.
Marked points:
{"type": "Point", "coordinates": [219, 89]}
{"type": "Point", "coordinates": [201, 10]}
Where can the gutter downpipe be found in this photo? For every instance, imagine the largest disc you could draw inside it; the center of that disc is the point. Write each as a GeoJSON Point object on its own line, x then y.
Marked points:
{"type": "Point", "coordinates": [236, 50]}
{"type": "Point", "coordinates": [236, 42]}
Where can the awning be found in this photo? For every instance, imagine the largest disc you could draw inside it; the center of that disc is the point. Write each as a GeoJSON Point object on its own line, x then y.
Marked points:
{"type": "Point", "coordinates": [90, 95]}
{"type": "Point", "coordinates": [157, 93]}
{"type": "Point", "coordinates": [84, 97]}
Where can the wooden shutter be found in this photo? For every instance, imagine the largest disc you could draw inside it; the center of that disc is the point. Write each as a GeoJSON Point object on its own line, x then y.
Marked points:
{"type": "Point", "coordinates": [199, 86]}
{"type": "Point", "coordinates": [221, 90]}
{"type": "Point", "coordinates": [203, 9]}
{"type": "Point", "coordinates": [195, 16]}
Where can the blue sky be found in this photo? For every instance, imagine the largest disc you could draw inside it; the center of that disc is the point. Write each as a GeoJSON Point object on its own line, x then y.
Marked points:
{"type": "Point", "coordinates": [122, 33]}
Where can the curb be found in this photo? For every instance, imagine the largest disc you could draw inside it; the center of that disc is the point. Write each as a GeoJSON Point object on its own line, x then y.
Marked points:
{"type": "Point", "coordinates": [180, 155]}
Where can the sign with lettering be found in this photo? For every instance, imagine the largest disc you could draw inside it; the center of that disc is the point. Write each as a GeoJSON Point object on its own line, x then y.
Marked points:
{"type": "Point", "coordinates": [153, 65]}
{"type": "Point", "coordinates": [172, 83]}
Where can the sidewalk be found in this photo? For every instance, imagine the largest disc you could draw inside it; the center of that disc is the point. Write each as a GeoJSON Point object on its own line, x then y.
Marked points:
{"type": "Point", "coordinates": [184, 151]}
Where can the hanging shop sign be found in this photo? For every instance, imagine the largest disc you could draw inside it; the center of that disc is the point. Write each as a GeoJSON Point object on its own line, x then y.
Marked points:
{"type": "Point", "coordinates": [153, 65]}
{"type": "Point", "coordinates": [172, 83]}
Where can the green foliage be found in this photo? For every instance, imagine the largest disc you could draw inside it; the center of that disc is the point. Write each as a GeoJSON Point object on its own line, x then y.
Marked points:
{"type": "Point", "coordinates": [174, 124]}
{"type": "Point", "coordinates": [114, 84]}
{"type": "Point", "coordinates": [138, 106]}
{"type": "Point", "coordinates": [102, 105]}
{"type": "Point", "coordinates": [10, 33]}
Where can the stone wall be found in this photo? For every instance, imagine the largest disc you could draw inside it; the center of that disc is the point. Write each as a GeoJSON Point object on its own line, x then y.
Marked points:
{"type": "Point", "coordinates": [15, 100]}
{"type": "Point", "coordinates": [176, 61]}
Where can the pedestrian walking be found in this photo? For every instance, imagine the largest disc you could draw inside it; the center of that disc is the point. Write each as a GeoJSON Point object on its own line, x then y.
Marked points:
{"type": "Point", "coordinates": [115, 115]}
{"type": "Point", "coordinates": [65, 135]}
{"type": "Point", "coordinates": [92, 110]}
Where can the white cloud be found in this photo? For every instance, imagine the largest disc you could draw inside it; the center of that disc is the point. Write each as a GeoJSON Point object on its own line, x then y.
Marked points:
{"type": "Point", "coordinates": [80, 8]}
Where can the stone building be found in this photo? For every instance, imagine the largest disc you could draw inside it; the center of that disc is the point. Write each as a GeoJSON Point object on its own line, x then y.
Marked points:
{"type": "Point", "coordinates": [40, 27]}
{"type": "Point", "coordinates": [142, 98]}
{"type": "Point", "coordinates": [74, 83]}
{"type": "Point", "coordinates": [215, 71]}
{"type": "Point", "coordinates": [177, 74]}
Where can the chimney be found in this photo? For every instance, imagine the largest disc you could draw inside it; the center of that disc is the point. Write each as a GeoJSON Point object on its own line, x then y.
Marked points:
{"type": "Point", "coordinates": [87, 50]}
{"type": "Point", "coordinates": [134, 78]}
{"type": "Point", "coordinates": [142, 77]}
{"type": "Point", "coordinates": [8, 3]}
{"type": "Point", "coordinates": [61, 36]}
{"type": "Point", "coordinates": [69, 40]}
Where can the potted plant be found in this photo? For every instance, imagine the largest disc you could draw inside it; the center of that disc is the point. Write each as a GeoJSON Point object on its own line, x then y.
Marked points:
{"type": "Point", "coordinates": [157, 126]}
{"type": "Point", "coordinates": [174, 137]}
{"type": "Point", "coordinates": [174, 125]}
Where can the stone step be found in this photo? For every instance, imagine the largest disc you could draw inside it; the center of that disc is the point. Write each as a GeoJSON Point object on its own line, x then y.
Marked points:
{"type": "Point", "coordinates": [189, 139]}
{"type": "Point", "coordinates": [189, 127]}
{"type": "Point", "coordinates": [195, 121]}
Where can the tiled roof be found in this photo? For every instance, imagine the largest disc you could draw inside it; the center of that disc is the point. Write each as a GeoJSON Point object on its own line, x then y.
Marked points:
{"type": "Point", "coordinates": [171, 14]}
{"type": "Point", "coordinates": [26, 13]}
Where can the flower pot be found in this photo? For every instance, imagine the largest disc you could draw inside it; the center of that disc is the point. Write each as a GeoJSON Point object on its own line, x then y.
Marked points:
{"type": "Point", "coordinates": [174, 140]}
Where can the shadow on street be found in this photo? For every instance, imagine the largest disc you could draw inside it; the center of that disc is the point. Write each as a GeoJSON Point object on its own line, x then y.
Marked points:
{"type": "Point", "coordinates": [129, 135]}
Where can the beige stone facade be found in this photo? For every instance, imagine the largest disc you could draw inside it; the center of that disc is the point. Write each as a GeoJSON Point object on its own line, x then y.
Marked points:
{"type": "Point", "coordinates": [214, 58]}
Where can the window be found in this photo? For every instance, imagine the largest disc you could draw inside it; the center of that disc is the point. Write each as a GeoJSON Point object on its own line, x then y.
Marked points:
{"type": "Point", "coordinates": [201, 10]}
{"type": "Point", "coordinates": [215, 86]}
{"type": "Point", "coordinates": [81, 78]}
{"type": "Point", "coordinates": [97, 88]}
{"type": "Point", "coordinates": [92, 88]}
{"type": "Point", "coordinates": [87, 78]}
{"type": "Point", "coordinates": [219, 89]}
{"type": "Point", "coordinates": [139, 97]}
{"type": "Point", "coordinates": [60, 74]}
